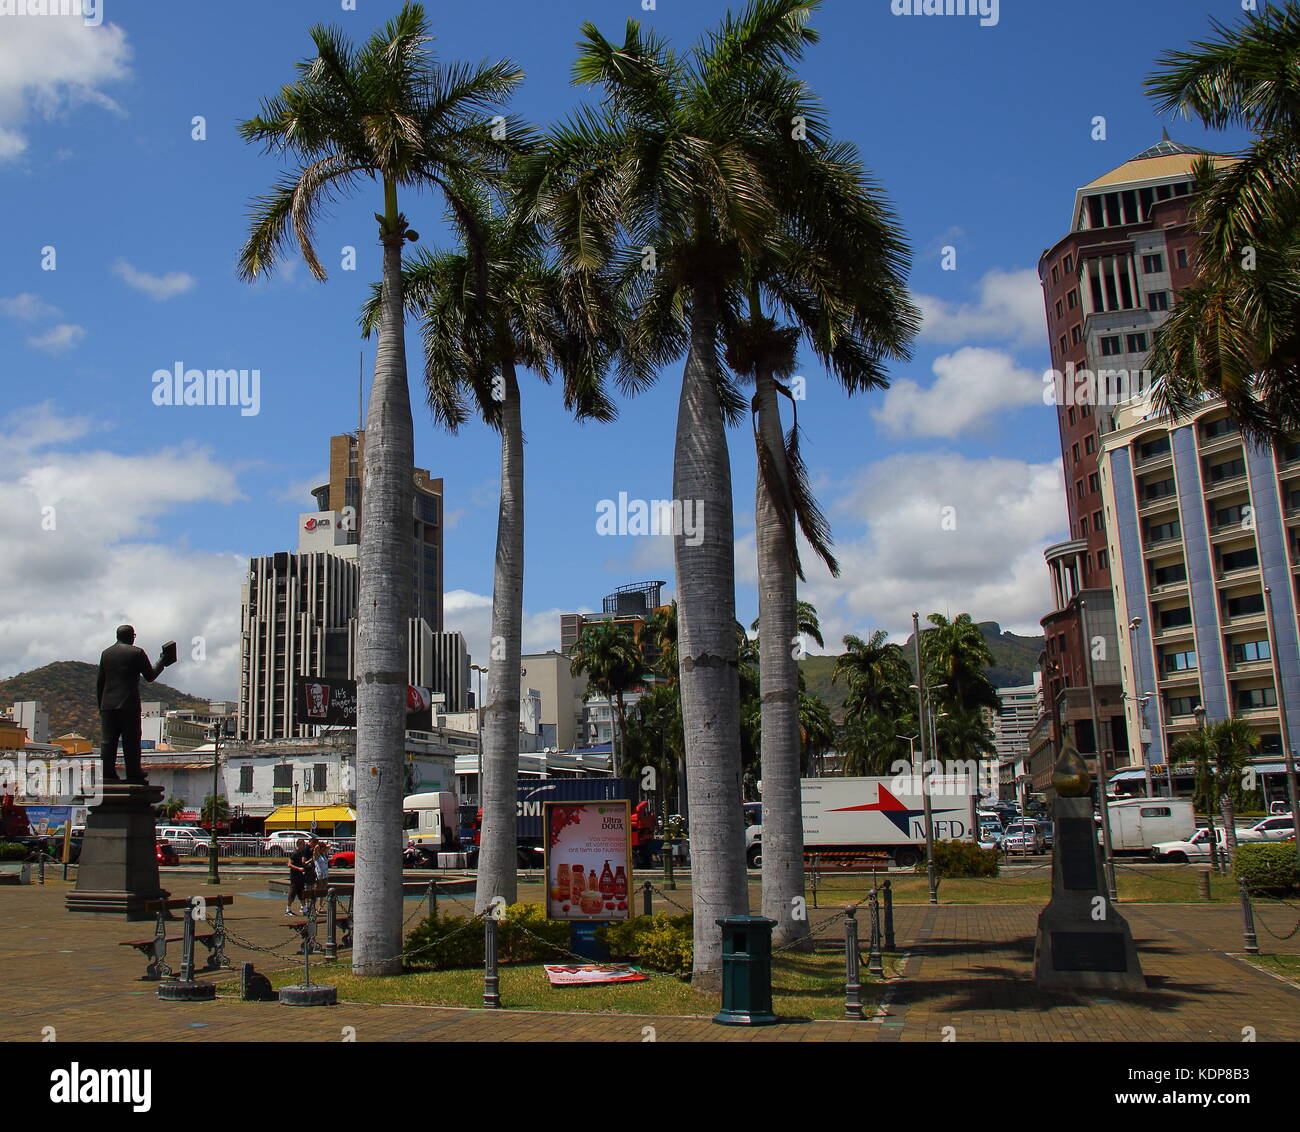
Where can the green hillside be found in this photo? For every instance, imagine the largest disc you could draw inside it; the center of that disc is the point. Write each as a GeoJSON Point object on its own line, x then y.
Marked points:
{"type": "Point", "coordinates": [1015, 659]}
{"type": "Point", "coordinates": [66, 689]}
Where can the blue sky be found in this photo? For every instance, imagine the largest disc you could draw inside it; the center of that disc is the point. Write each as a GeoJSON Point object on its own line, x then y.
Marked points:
{"type": "Point", "coordinates": [979, 136]}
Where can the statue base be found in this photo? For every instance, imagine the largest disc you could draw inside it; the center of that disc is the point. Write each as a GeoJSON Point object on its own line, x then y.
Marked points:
{"type": "Point", "coordinates": [1083, 941]}
{"type": "Point", "coordinates": [118, 870]}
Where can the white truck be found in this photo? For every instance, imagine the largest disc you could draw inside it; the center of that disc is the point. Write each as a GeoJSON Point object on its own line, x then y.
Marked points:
{"type": "Point", "coordinates": [1136, 824]}
{"type": "Point", "coordinates": [432, 820]}
{"type": "Point", "coordinates": [875, 820]}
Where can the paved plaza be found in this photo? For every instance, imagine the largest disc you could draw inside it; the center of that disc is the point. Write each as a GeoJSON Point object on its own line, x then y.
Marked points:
{"type": "Point", "coordinates": [967, 976]}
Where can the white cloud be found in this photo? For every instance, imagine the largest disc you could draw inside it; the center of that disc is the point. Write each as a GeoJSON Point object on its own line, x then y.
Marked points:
{"type": "Point", "coordinates": [50, 64]}
{"type": "Point", "coordinates": [71, 574]}
{"type": "Point", "coordinates": [158, 287]}
{"type": "Point", "coordinates": [64, 336]}
{"type": "Point", "coordinates": [972, 385]}
{"type": "Point", "coordinates": [28, 307]}
{"type": "Point", "coordinates": [466, 612]}
{"type": "Point", "coordinates": [1009, 309]}
{"type": "Point", "coordinates": [896, 555]}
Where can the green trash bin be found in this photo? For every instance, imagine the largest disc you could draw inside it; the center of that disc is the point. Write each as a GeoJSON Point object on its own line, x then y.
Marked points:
{"type": "Point", "coordinates": [746, 971]}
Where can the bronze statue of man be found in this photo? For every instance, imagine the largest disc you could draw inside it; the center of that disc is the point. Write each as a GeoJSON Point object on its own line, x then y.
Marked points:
{"type": "Point", "coordinates": [118, 695]}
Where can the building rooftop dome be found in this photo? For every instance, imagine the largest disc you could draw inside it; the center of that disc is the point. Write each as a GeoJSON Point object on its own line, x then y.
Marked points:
{"type": "Point", "coordinates": [1167, 158]}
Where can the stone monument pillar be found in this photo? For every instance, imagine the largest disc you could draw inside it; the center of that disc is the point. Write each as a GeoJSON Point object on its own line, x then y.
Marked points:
{"type": "Point", "coordinates": [118, 868]}
{"type": "Point", "coordinates": [1082, 941]}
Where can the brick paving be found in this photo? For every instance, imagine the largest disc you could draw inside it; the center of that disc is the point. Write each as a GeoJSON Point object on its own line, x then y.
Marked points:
{"type": "Point", "coordinates": [968, 967]}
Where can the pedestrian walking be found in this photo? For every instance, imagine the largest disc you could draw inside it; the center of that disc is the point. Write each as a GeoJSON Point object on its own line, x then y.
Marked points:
{"type": "Point", "coordinates": [299, 863]}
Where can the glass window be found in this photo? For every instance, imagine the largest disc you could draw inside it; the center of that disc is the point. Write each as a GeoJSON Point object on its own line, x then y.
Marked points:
{"type": "Point", "coordinates": [1137, 343]}
{"type": "Point", "coordinates": [1110, 345]}
{"type": "Point", "coordinates": [1229, 469]}
{"type": "Point", "coordinates": [1183, 705]}
{"type": "Point", "coordinates": [1155, 447]}
{"type": "Point", "coordinates": [1165, 575]}
{"type": "Point", "coordinates": [1247, 604]}
{"type": "Point", "coordinates": [1152, 263]}
{"type": "Point", "coordinates": [246, 779]}
{"type": "Point", "coordinates": [1256, 698]}
{"type": "Point", "coordinates": [1158, 301]}
{"type": "Point", "coordinates": [1155, 812]}
{"type": "Point", "coordinates": [1076, 335]}
{"type": "Point", "coordinates": [1221, 427]}
{"type": "Point", "coordinates": [1173, 618]}
{"type": "Point", "coordinates": [1182, 257]}
{"type": "Point", "coordinates": [1160, 532]}
{"type": "Point", "coordinates": [1158, 489]}
{"type": "Point", "coordinates": [1241, 559]}
{"type": "Point", "coordinates": [1246, 651]}
{"type": "Point", "coordinates": [1180, 661]}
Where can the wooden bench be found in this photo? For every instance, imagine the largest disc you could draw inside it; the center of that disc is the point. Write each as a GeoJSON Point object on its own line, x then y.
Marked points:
{"type": "Point", "coordinates": [155, 947]}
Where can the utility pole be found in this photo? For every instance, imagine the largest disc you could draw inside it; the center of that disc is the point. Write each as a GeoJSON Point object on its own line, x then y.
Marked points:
{"type": "Point", "coordinates": [925, 767]}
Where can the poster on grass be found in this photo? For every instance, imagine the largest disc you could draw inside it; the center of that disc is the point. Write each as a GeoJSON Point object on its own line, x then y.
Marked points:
{"type": "Point", "coordinates": [588, 860]}
{"type": "Point", "coordinates": [592, 974]}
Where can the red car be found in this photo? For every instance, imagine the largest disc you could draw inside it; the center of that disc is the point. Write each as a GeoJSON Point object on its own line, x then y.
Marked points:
{"type": "Point", "coordinates": [165, 853]}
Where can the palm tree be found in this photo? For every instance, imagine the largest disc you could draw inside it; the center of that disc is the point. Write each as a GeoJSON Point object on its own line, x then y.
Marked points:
{"type": "Point", "coordinates": [807, 623]}
{"type": "Point", "coordinates": [652, 736]}
{"type": "Point", "coordinates": [659, 635]}
{"type": "Point", "coordinates": [956, 654]}
{"type": "Point", "coordinates": [1236, 333]}
{"type": "Point", "coordinates": [221, 807]}
{"type": "Point", "coordinates": [387, 113]}
{"type": "Point", "coordinates": [496, 304]}
{"type": "Point", "coordinates": [172, 807]}
{"type": "Point", "coordinates": [870, 746]}
{"type": "Point", "coordinates": [816, 731]}
{"type": "Point", "coordinates": [608, 653]}
{"type": "Point", "coordinates": [677, 181]}
{"type": "Point", "coordinates": [965, 737]}
{"type": "Point", "coordinates": [877, 674]}
{"type": "Point", "coordinates": [1220, 752]}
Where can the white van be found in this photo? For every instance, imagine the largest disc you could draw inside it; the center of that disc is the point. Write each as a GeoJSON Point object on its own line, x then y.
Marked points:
{"type": "Point", "coordinates": [432, 820]}
{"type": "Point", "coordinates": [184, 838]}
{"type": "Point", "coordinates": [1136, 824]}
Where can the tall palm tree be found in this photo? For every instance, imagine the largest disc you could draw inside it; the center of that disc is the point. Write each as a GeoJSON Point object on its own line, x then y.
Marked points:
{"type": "Point", "coordinates": [816, 730]}
{"type": "Point", "coordinates": [877, 674]}
{"type": "Point", "coordinates": [608, 653]}
{"type": "Point", "coordinates": [659, 636]}
{"type": "Point", "coordinates": [496, 304]}
{"type": "Point", "coordinates": [1220, 752]}
{"type": "Point", "coordinates": [1236, 333]}
{"type": "Point", "coordinates": [676, 179]}
{"type": "Point", "coordinates": [387, 112]}
{"type": "Point", "coordinates": [807, 623]}
{"type": "Point", "coordinates": [956, 655]}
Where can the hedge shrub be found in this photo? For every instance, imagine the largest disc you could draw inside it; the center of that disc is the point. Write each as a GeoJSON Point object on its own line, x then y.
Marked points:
{"type": "Point", "coordinates": [446, 942]}
{"type": "Point", "coordinates": [661, 942]}
{"type": "Point", "coordinates": [954, 859]}
{"type": "Point", "coordinates": [1268, 867]}
{"type": "Point", "coordinates": [11, 851]}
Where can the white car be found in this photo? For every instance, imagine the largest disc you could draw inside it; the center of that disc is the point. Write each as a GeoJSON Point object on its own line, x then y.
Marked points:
{"type": "Point", "coordinates": [184, 838]}
{"type": "Point", "coordinates": [1023, 837]}
{"type": "Point", "coordinates": [284, 841]}
{"type": "Point", "coordinates": [1195, 848]}
{"type": "Point", "coordinates": [1270, 829]}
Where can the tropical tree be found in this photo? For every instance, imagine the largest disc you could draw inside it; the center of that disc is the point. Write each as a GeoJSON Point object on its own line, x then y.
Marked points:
{"type": "Point", "coordinates": [608, 653]}
{"type": "Point", "coordinates": [1235, 334]}
{"type": "Point", "coordinates": [652, 737]}
{"type": "Point", "coordinates": [496, 304]}
{"type": "Point", "coordinates": [871, 745]}
{"type": "Point", "coordinates": [677, 181]}
{"type": "Point", "coordinates": [817, 730]}
{"type": "Point", "coordinates": [1220, 753]}
{"type": "Point", "coordinates": [388, 113]}
{"type": "Point", "coordinates": [878, 677]}
{"type": "Point", "coordinates": [964, 737]}
{"type": "Point", "coordinates": [220, 805]}
{"type": "Point", "coordinates": [956, 655]}
{"type": "Point", "coordinates": [807, 623]}
{"type": "Point", "coordinates": [659, 637]}
{"type": "Point", "coordinates": [173, 806]}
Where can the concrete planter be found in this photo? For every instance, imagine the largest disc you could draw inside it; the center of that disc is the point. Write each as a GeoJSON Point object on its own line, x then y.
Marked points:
{"type": "Point", "coordinates": [15, 872]}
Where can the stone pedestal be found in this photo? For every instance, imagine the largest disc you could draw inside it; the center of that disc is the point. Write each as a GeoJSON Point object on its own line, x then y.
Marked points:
{"type": "Point", "coordinates": [118, 869]}
{"type": "Point", "coordinates": [1083, 941]}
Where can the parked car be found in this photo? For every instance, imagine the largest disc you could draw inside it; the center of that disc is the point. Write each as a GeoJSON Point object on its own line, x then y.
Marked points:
{"type": "Point", "coordinates": [284, 841]}
{"type": "Point", "coordinates": [185, 839]}
{"type": "Point", "coordinates": [1270, 829]}
{"type": "Point", "coordinates": [1023, 836]}
{"type": "Point", "coordinates": [1048, 830]}
{"type": "Point", "coordinates": [165, 853]}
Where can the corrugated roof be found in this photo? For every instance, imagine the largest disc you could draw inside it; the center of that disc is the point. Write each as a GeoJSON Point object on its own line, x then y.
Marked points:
{"type": "Point", "coordinates": [1166, 158]}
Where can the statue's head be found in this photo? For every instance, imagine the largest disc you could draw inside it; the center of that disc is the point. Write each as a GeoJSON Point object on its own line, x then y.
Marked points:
{"type": "Point", "coordinates": [126, 634]}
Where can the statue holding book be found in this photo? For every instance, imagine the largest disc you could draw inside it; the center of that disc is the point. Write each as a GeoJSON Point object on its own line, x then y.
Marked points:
{"type": "Point", "coordinates": [118, 695]}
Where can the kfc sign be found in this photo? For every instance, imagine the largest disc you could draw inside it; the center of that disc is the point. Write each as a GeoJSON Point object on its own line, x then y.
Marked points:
{"type": "Point", "coordinates": [333, 703]}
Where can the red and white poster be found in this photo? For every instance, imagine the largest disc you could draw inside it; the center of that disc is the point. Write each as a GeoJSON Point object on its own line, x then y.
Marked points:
{"type": "Point", "coordinates": [591, 975]}
{"type": "Point", "coordinates": [588, 860]}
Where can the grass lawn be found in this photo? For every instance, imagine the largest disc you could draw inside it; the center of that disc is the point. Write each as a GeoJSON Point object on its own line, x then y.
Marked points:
{"type": "Point", "coordinates": [803, 986]}
{"type": "Point", "coordinates": [1288, 966]}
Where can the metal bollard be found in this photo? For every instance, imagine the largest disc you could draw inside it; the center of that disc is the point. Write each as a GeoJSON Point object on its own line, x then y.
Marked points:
{"type": "Point", "coordinates": [187, 945]}
{"type": "Point", "coordinates": [852, 987]}
{"type": "Point", "coordinates": [1203, 883]}
{"type": "Point", "coordinates": [331, 925]}
{"type": "Point", "coordinates": [491, 980]}
{"type": "Point", "coordinates": [433, 898]}
{"type": "Point", "coordinates": [875, 963]}
{"type": "Point", "coordinates": [1248, 936]}
{"type": "Point", "coordinates": [40, 868]}
{"type": "Point", "coordinates": [646, 890]}
{"type": "Point", "coordinates": [889, 917]}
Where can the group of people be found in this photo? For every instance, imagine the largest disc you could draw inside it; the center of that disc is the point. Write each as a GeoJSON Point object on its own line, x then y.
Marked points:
{"type": "Point", "coordinates": [309, 867]}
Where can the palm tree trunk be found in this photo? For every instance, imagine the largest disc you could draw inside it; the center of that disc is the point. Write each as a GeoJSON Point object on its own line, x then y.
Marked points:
{"type": "Point", "coordinates": [1228, 811]}
{"type": "Point", "coordinates": [778, 677]}
{"type": "Point", "coordinates": [383, 607]}
{"type": "Point", "coordinates": [706, 609]}
{"type": "Point", "coordinates": [498, 861]}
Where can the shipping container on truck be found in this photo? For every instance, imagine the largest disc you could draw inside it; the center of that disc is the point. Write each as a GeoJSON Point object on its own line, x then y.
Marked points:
{"type": "Point", "coordinates": [848, 821]}
{"type": "Point", "coordinates": [532, 793]}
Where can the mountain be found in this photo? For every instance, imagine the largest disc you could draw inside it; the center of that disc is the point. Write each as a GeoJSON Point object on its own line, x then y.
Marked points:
{"type": "Point", "coordinates": [1015, 660]}
{"type": "Point", "coordinates": [66, 689]}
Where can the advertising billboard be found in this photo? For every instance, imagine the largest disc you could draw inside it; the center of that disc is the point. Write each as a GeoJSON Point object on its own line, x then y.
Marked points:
{"type": "Point", "coordinates": [333, 703]}
{"type": "Point", "coordinates": [588, 860]}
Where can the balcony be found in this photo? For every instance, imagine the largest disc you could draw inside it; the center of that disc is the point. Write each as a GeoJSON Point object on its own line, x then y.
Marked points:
{"type": "Point", "coordinates": [1172, 632]}
{"type": "Point", "coordinates": [1153, 506]}
{"type": "Point", "coordinates": [1221, 443]}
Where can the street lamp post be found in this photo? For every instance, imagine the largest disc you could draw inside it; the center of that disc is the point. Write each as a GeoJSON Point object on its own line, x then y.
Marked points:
{"type": "Point", "coordinates": [1133, 627]}
{"type": "Point", "coordinates": [478, 712]}
{"type": "Point", "coordinates": [222, 730]}
{"type": "Point", "coordinates": [1102, 803]}
{"type": "Point", "coordinates": [911, 751]}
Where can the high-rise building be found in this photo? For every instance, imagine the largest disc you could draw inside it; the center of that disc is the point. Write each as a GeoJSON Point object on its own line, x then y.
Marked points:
{"type": "Point", "coordinates": [1158, 569]}
{"type": "Point", "coordinates": [299, 609]}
